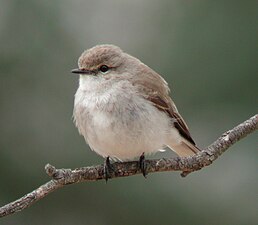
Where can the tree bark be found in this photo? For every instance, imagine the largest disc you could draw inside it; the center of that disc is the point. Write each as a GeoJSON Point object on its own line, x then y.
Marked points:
{"type": "Point", "coordinates": [61, 177]}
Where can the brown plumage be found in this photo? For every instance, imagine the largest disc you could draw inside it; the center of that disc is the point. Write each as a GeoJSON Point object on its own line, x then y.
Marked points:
{"type": "Point", "coordinates": [127, 78]}
{"type": "Point", "coordinates": [155, 89]}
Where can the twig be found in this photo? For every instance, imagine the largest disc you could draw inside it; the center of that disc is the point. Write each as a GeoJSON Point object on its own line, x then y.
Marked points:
{"type": "Point", "coordinates": [61, 177]}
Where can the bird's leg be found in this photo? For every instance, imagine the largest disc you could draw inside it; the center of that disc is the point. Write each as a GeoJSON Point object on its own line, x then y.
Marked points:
{"type": "Point", "coordinates": [143, 165]}
{"type": "Point", "coordinates": [107, 168]}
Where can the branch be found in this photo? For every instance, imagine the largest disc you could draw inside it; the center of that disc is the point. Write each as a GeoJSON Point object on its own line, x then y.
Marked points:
{"type": "Point", "coordinates": [62, 177]}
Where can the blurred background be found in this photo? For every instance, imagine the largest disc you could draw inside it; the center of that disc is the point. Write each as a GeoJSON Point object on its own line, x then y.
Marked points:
{"type": "Point", "coordinates": [206, 50]}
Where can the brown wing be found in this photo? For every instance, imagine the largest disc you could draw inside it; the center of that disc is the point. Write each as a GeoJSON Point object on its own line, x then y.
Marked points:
{"type": "Point", "coordinates": [155, 89]}
{"type": "Point", "coordinates": [168, 108]}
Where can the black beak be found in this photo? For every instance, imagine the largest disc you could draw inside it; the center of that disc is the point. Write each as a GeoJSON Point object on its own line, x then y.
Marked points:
{"type": "Point", "coordinates": [82, 71]}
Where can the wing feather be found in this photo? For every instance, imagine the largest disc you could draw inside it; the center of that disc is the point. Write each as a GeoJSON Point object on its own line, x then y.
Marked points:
{"type": "Point", "coordinates": [155, 89]}
{"type": "Point", "coordinates": [179, 122]}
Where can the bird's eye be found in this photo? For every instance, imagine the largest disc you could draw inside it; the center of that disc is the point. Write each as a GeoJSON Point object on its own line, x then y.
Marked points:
{"type": "Point", "coordinates": [104, 68]}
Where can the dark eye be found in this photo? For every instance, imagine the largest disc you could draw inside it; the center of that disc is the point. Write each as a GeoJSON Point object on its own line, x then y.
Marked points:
{"type": "Point", "coordinates": [104, 68]}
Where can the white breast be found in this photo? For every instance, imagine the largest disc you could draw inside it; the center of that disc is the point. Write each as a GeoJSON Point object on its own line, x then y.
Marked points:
{"type": "Point", "coordinates": [117, 122]}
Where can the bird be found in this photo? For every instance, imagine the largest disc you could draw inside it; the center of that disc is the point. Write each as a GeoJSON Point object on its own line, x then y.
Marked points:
{"type": "Point", "coordinates": [123, 108]}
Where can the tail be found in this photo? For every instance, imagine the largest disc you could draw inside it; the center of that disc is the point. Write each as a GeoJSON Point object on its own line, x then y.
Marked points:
{"type": "Point", "coordinates": [184, 148]}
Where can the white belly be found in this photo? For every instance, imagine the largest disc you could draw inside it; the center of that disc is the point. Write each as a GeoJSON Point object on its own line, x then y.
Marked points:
{"type": "Point", "coordinates": [121, 126]}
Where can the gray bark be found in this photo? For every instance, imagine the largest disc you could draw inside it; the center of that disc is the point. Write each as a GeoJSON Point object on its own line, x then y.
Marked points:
{"type": "Point", "coordinates": [61, 177]}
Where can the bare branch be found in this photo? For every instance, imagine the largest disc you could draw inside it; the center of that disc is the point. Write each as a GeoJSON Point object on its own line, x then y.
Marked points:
{"type": "Point", "coordinates": [61, 177]}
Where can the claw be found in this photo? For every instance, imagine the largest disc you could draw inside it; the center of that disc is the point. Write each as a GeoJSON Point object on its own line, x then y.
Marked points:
{"type": "Point", "coordinates": [107, 169]}
{"type": "Point", "coordinates": [143, 165]}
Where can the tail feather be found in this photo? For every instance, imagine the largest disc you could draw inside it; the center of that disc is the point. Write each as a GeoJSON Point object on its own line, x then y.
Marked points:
{"type": "Point", "coordinates": [184, 149]}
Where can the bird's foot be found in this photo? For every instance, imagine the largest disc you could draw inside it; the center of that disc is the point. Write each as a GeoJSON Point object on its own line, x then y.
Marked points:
{"type": "Point", "coordinates": [108, 168]}
{"type": "Point", "coordinates": [142, 165]}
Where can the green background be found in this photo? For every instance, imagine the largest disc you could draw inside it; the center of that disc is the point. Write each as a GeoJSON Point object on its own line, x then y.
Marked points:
{"type": "Point", "coordinates": [206, 50]}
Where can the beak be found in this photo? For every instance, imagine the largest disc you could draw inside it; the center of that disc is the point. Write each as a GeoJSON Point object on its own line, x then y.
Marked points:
{"type": "Point", "coordinates": [82, 71]}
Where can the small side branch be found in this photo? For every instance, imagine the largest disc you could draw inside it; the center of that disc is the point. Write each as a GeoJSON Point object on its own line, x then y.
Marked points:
{"type": "Point", "coordinates": [61, 177]}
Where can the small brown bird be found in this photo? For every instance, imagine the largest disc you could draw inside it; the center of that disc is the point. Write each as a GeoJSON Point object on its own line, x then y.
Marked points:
{"type": "Point", "coordinates": [123, 109]}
